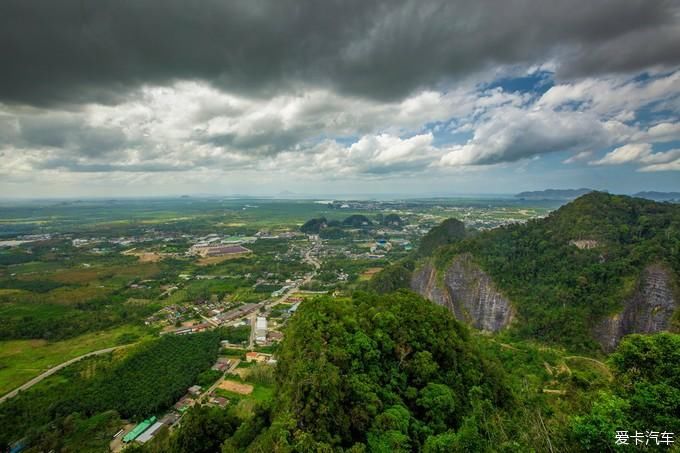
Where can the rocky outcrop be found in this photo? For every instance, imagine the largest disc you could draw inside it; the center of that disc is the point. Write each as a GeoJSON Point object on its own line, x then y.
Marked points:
{"type": "Point", "coordinates": [648, 310]}
{"type": "Point", "coordinates": [585, 244]}
{"type": "Point", "coordinates": [467, 291]}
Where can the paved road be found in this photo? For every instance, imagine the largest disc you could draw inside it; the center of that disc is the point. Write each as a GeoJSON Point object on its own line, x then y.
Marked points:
{"type": "Point", "coordinates": [53, 370]}
{"type": "Point", "coordinates": [253, 323]}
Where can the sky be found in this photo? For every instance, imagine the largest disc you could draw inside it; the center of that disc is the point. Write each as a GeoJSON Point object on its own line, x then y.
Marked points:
{"type": "Point", "coordinates": [168, 97]}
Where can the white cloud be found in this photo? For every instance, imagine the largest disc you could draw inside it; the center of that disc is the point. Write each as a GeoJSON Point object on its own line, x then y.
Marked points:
{"type": "Point", "coordinates": [511, 134]}
{"type": "Point", "coordinates": [578, 157]}
{"type": "Point", "coordinates": [612, 96]}
{"type": "Point", "coordinates": [667, 166]}
{"type": "Point", "coordinates": [641, 153]}
{"type": "Point", "coordinates": [191, 128]}
{"type": "Point", "coordinates": [625, 154]}
{"type": "Point", "coordinates": [664, 132]}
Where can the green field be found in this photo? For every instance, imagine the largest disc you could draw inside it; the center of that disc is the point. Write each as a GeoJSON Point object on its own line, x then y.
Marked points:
{"type": "Point", "coordinates": [21, 360]}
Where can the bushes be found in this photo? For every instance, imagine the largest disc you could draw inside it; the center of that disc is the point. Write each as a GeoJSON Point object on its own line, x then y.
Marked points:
{"type": "Point", "coordinates": [208, 377]}
{"type": "Point", "coordinates": [261, 374]}
{"type": "Point", "coordinates": [645, 394]}
{"type": "Point", "coordinates": [235, 335]}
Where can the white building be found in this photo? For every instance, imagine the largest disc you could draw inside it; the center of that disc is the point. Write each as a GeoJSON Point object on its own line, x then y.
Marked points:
{"type": "Point", "coordinates": [261, 329]}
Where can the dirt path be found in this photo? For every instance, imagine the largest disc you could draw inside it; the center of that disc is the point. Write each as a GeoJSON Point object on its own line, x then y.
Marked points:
{"type": "Point", "coordinates": [602, 365]}
{"type": "Point", "coordinates": [53, 370]}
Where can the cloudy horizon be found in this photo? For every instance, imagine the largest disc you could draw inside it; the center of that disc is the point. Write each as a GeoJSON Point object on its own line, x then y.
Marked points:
{"type": "Point", "coordinates": [118, 98]}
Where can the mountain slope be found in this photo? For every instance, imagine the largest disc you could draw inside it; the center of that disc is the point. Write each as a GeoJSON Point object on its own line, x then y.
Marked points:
{"type": "Point", "coordinates": [571, 275]}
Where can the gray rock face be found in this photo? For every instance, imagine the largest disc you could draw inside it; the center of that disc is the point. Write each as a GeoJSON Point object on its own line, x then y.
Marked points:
{"type": "Point", "coordinates": [648, 310]}
{"type": "Point", "coordinates": [468, 292]}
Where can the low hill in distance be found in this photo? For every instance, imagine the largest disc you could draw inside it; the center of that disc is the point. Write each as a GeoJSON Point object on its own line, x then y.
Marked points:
{"type": "Point", "coordinates": [553, 194]}
{"type": "Point", "coordinates": [659, 196]}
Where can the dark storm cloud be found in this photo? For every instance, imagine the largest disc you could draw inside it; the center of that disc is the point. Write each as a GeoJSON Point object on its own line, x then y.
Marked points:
{"type": "Point", "coordinates": [73, 165]}
{"type": "Point", "coordinates": [81, 51]}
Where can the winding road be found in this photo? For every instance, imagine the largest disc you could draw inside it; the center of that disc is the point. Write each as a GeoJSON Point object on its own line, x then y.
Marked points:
{"type": "Point", "coordinates": [53, 370]}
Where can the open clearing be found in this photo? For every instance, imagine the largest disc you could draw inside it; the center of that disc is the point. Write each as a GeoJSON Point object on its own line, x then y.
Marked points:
{"type": "Point", "coordinates": [369, 273]}
{"type": "Point", "coordinates": [218, 259]}
{"type": "Point", "coordinates": [236, 387]}
{"type": "Point", "coordinates": [143, 256]}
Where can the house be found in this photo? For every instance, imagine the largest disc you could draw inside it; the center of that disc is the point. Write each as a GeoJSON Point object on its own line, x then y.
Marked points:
{"type": "Point", "coordinates": [274, 336]}
{"type": "Point", "coordinates": [194, 390]}
{"type": "Point", "coordinates": [184, 403]}
{"type": "Point", "coordinates": [222, 364]}
{"type": "Point", "coordinates": [218, 401]}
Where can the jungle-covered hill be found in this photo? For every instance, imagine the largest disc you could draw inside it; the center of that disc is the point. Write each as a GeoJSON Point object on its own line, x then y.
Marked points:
{"type": "Point", "coordinates": [567, 272]}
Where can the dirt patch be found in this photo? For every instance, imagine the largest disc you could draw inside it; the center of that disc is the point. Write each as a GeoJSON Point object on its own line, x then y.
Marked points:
{"type": "Point", "coordinates": [369, 273]}
{"type": "Point", "coordinates": [218, 259]}
{"type": "Point", "coordinates": [149, 257]}
{"type": "Point", "coordinates": [242, 372]}
{"type": "Point", "coordinates": [144, 257]}
{"type": "Point", "coordinates": [236, 387]}
{"type": "Point", "coordinates": [555, 392]}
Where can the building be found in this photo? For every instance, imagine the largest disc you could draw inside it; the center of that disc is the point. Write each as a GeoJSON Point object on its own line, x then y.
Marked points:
{"type": "Point", "coordinates": [238, 312]}
{"type": "Point", "coordinates": [194, 390]}
{"type": "Point", "coordinates": [192, 329]}
{"type": "Point", "coordinates": [218, 401]}
{"type": "Point", "coordinates": [149, 433]}
{"type": "Point", "coordinates": [222, 364]}
{"type": "Point", "coordinates": [139, 429]}
{"type": "Point", "coordinates": [261, 329]}
{"type": "Point", "coordinates": [274, 336]}
{"type": "Point", "coordinates": [184, 404]}
{"type": "Point", "coordinates": [170, 418]}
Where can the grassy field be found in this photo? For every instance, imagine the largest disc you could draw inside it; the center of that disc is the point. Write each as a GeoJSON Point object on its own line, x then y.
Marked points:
{"type": "Point", "coordinates": [21, 360]}
{"type": "Point", "coordinates": [260, 393]}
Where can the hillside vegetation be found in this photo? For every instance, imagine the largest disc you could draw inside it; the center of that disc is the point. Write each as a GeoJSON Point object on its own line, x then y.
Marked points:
{"type": "Point", "coordinates": [565, 272]}
{"type": "Point", "coordinates": [396, 373]}
{"type": "Point", "coordinates": [561, 290]}
{"type": "Point", "coordinates": [447, 232]}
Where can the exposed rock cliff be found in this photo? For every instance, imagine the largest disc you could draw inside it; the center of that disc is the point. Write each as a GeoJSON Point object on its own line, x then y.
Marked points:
{"type": "Point", "coordinates": [648, 310]}
{"type": "Point", "coordinates": [467, 291]}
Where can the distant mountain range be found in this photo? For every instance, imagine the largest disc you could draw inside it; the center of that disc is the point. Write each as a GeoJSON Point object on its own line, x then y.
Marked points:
{"type": "Point", "coordinates": [659, 196]}
{"type": "Point", "coordinates": [554, 194]}
{"type": "Point", "coordinates": [572, 194]}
